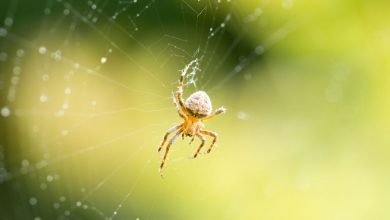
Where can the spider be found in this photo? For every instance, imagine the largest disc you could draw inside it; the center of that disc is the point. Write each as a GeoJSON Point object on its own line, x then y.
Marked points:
{"type": "Point", "coordinates": [194, 111]}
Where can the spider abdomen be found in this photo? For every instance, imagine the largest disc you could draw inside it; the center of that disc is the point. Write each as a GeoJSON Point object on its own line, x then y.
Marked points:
{"type": "Point", "coordinates": [199, 104]}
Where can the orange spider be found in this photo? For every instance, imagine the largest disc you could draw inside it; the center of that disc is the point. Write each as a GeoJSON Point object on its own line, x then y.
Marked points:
{"type": "Point", "coordinates": [194, 111]}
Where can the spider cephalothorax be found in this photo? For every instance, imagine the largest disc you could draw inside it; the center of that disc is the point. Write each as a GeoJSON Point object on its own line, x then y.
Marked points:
{"type": "Point", "coordinates": [194, 111]}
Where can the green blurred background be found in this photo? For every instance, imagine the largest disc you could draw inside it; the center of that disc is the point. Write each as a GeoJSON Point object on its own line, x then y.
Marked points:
{"type": "Point", "coordinates": [86, 96]}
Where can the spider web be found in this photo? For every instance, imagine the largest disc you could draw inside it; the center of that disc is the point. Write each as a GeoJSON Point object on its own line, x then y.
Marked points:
{"type": "Point", "coordinates": [86, 88]}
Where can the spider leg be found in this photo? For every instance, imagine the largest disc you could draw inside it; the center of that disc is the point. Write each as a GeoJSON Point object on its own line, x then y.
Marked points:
{"type": "Point", "coordinates": [201, 145]}
{"type": "Point", "coordinates": [179, 110]}
{"type": "Point", "coordinates": [167, 149]}
{"type": "Point", "coordinates": [192, 140]}
{"type": "Point", "coordinates": [212, 134]}
{"type": "Point", "coordinates": [215, 113]}
{"type": "Point", "coordinates": [180, 93]}
{"type": "Point", "coordinates": [169, 131]}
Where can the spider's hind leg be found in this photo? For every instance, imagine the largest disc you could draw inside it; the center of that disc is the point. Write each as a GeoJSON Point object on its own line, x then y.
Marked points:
{"type": "Point", "coordinates": [214, 114]}
{"type": "Point", "coordinates": [179, 109]}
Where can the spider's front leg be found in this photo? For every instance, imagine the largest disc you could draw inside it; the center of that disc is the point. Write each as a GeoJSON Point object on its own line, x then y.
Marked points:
{"type": "Point", "coordinates": [167, 149]}
{"type": "Point", "coordinates": [169, 131]}
{"type": "Point", "coordinates": [212, 134]}
{"type": "Point", "coordinates": [192, 140]}
{"type": "Point", "coordinates": [201, 145]}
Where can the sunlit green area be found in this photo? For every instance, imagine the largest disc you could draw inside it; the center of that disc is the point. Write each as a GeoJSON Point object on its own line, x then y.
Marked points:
{"type": "Point", "coordinates": [86, 97]}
